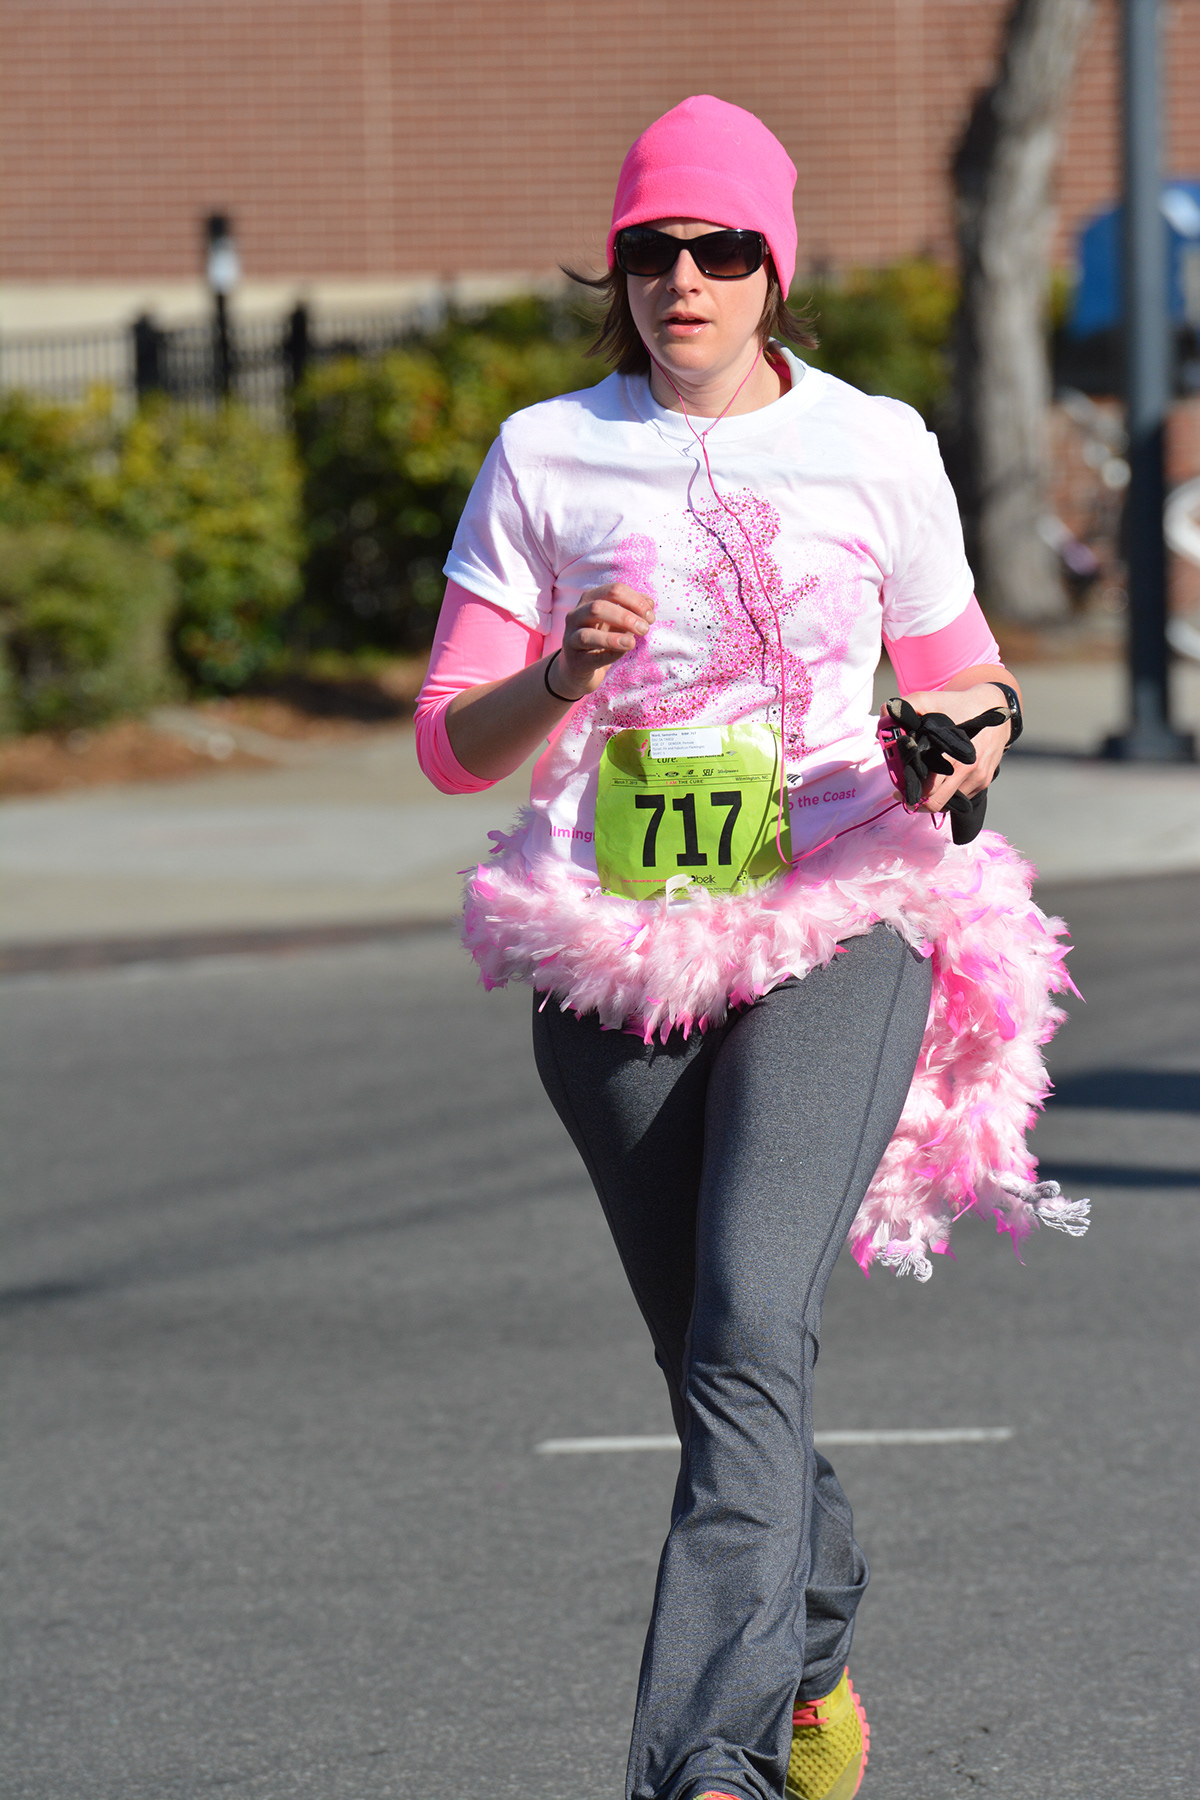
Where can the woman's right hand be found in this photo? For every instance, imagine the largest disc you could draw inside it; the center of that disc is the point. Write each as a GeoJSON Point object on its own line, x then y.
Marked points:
{"type": "Point", "coordinates": [493, 727]}
{"type": "Point", "coordinates": [605, 626]}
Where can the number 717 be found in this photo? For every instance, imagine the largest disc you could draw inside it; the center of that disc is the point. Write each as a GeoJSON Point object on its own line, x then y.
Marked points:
{"type": "Point", "coordinates": [691, 856]}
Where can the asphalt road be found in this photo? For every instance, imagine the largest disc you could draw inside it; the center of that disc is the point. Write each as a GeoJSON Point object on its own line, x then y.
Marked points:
{"type": "Point", "coordinates": [299, 1270]}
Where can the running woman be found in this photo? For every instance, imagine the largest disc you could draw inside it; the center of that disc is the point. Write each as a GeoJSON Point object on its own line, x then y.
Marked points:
{"type": "Point", "coordinates": [774, 1005]}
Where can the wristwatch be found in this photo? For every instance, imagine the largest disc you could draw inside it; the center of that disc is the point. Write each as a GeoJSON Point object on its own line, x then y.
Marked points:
{"type": "Point", "coordinates": [1016, 723]}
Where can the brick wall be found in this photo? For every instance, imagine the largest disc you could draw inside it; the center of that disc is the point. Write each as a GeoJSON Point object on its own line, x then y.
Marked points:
{"type": "Point", "coordinates": [122, 122]}
{"type": "Point", "coordinates": [426, 137]}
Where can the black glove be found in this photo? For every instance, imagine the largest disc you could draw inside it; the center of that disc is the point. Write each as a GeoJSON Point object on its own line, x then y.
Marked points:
{"type": "Point", "coordinates": [922, 743]}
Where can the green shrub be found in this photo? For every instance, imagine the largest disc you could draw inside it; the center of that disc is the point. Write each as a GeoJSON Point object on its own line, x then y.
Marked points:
{"type": "Point", "coordinates": [83, 622]}
{"type": "Point", "coordinates": [532, 319]}
{"type": "Point", "coordinates": [52, 459]}
{"type": "Point", "coordinates": [217, 495]}
{"type": "Point", "coordinates": [887, 331]}
{"type": "Point", "coordinates": [390, 449]}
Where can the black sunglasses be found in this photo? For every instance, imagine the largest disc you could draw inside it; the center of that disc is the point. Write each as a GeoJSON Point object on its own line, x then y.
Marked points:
{"type": "Point", "coordinates": [721, 255]}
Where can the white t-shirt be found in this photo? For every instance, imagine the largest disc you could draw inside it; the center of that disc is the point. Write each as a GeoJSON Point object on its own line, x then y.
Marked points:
{"type": "Point", "coordinates": [838, 524]}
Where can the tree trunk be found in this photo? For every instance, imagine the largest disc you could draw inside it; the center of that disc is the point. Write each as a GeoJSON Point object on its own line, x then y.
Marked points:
{"type": "Point", "coordinates": [1002, 177]}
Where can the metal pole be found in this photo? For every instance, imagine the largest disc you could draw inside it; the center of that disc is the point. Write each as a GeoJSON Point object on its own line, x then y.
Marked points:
{"type": "Point", "coordinates": [222, 348]}
{"type": "Point", "coordinates": [223, 268]}
{"type": "Point", "coordinates": [296, 346]}
{"type": "Point", "coordinates": [1150, 736]}
{"type": "Point", "coordinates": [147, 357]}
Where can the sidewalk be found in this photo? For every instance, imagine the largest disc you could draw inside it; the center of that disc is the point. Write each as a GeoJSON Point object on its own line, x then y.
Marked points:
{"type": "Point", "coordinates": [1078, 818]}
{"type": "Point", "coordinates": [355, 837]}
{"type": "Point", "coordinates": [353, 834]}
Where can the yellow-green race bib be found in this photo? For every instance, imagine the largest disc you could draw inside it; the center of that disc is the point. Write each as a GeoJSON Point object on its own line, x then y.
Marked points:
{"type": "Point", "coordinates": [699, 802]}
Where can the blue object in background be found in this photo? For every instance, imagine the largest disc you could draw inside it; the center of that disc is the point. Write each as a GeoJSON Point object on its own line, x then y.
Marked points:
{"type": "Point", "coordinates": [1097, 304]}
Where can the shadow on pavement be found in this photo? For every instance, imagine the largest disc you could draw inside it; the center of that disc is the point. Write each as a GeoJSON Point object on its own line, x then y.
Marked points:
{"type": "Point", "coordinates": [1130, 1090]}
{"type": "Point", "coordinates": [1077, 1176]}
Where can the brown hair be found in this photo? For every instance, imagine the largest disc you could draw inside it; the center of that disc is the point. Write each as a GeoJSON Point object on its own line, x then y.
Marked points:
{"type": "Point", "coordinates": [619, 341]}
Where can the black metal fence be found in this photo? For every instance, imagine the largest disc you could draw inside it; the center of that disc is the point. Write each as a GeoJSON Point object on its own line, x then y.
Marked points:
{"type": "Point", "coordinates": [258, 361]}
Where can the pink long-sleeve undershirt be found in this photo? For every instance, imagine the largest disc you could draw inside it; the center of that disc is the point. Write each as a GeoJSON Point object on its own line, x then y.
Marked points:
{"type": "Point", "coordinates": [477, 642]}
{"type": "Point", "coordinates": [474, 642]}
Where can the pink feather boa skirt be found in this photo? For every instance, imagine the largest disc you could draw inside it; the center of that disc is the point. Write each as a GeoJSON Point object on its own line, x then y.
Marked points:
{"type": "Point", "coordinates": [680, 963]}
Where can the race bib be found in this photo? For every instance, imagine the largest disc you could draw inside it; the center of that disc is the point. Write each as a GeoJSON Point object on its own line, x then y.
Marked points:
{"type": "Point", "coordinates": [700, 802]}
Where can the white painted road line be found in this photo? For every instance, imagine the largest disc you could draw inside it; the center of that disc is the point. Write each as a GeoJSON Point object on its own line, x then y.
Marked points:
{"type": "Point", "coordinates": [951, 1434]}
{"type": "Point", "coordinates": [592, 1446]}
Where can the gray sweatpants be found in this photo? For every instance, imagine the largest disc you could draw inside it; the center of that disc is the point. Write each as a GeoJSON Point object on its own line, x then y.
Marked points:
{"type": "Point", "coordinates": [730, 1167]}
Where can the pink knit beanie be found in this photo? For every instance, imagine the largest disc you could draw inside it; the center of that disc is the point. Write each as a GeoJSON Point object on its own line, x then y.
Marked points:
{"type": "Point", "coordinates": [706, 159]}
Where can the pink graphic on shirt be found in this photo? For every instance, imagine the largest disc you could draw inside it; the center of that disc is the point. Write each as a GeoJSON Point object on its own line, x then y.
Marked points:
{"type": "Point", "coordinates": [634, 561]}
{"type": "Point", "coordinates": [738, 611]}
{"type": "Point", "coordinates": [630, 682]}
{"type": "Point", "coordinates": [743, 585]}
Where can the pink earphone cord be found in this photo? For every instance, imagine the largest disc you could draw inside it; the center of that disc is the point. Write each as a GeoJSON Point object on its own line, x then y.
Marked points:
{"type": "Point", "coordinates": [728, 510]}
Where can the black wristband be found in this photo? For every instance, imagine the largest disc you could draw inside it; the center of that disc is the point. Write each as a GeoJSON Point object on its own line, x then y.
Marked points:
{"type": "Point", "coordinates": [564, 698]}
{"type": "Point", "coordinates": [1016, 723]}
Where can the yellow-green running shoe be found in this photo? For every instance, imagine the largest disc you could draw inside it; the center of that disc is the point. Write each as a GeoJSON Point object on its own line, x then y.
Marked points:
{"type": "Point", "coordinates": [830, 1741]}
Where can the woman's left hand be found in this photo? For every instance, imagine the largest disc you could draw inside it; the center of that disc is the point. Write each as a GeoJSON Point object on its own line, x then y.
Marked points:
{"type": "Point", "coordinates": [959, 704]}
